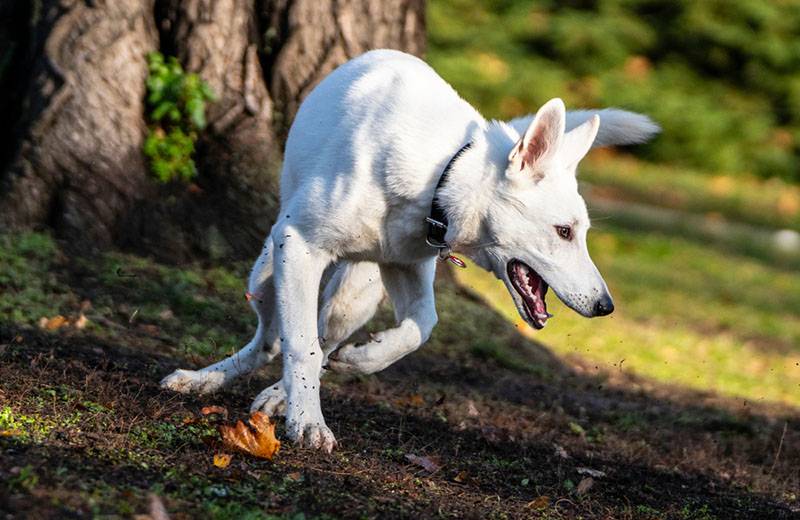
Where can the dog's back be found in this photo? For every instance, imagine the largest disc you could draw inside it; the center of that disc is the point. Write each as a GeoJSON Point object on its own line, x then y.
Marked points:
{"type": "Point", "coordinates": [378, 129]}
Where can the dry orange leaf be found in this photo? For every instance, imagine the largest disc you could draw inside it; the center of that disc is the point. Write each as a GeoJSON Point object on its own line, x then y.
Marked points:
{"type": "Point", "coordinates": [81, 322]}
{"type": "Point", "coordinates": [539, 502]}
{"type": "Point", "coordinates": [258, 439]}
{"type": "Point", "coordinates": [221, 410]}
{"type": "Point", "coordinates": [222, 460]}
{"type": "Point", "coordinates": [54, 323]}
{"type": "Point", "coordinates": [415, 400]}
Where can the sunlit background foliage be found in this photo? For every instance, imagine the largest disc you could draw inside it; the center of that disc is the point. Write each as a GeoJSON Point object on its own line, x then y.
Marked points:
{"type": "Point", "coordinates": [721, 77]}
{"type": "Point", "coordinates": [695, 232]}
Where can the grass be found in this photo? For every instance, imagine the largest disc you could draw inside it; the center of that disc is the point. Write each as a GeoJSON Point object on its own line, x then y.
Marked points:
{"type": "Point", "coordinates": [85, 431]}
{"type": "Point", "coordinates": [769, 203]}
{"type": "Point", "coordinates": [195, 309]}
{"type": "Point", "coordinates": [686, 314]}
{"type": "Point", "coordinates": [30, 289]}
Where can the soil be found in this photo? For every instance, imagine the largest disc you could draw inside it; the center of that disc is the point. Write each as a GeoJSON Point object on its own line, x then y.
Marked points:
{"type": "Point", "coordinates": [552, 438]}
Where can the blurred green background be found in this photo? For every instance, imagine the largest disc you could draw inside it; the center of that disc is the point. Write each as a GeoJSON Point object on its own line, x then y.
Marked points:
{"type": "Point", "coordinates": [695, 232]}
{"type": "Point", "coordinates": [721, 77]}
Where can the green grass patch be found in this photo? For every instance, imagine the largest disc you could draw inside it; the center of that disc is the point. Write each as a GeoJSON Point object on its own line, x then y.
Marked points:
{"type": "Point", "coordinates": [741, 198]}
{"type": "Point", "coordinates": [686, 314]}
{"type": "Point", "coordinates": [29, 288]}
{"type": "Point", "coordinates": [204, 309]}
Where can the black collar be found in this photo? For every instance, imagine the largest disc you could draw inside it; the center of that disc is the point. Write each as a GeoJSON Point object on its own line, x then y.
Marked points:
{"type": "Point", "coordinates": [437, 221]}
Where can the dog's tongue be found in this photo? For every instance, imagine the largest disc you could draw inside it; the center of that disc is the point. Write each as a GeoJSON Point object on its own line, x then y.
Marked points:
{"type": "Point", "coordinates": [539, 291]}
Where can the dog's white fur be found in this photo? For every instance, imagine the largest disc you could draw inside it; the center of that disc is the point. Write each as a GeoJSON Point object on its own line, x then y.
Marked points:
{"type": "Point", "coordinates": [362, 161]}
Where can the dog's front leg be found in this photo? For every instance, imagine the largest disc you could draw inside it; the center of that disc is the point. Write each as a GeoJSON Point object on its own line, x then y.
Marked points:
{"type": "Point", "coordinates": [349, 300]}
{"type": "Point", "coordinates": [411, 291]}
{"type": "Point", "coordinates": [298, 271]}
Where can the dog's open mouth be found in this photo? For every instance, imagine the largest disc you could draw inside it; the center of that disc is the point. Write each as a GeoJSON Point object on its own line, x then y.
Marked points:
{"type": "Point", "coordinates": [532, 288]}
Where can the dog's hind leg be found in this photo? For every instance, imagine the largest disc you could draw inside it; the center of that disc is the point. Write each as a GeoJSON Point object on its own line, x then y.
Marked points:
{"type": "Point", "coordinates": [411, 291]}
{"type": "Point", "coordinates": [349, 300]}
{"type": "Point", "coordinates": [259, 351]}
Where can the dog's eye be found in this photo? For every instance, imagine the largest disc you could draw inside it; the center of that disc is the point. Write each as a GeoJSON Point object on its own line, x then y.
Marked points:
{"type": "Point", "coordinates": [564, 232]}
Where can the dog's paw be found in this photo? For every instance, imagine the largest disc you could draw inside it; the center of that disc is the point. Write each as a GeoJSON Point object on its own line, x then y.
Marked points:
{"type": "Point", "coordinates": [351, 359]}
{"type": "Point", "coordinates": [271, 400]}
{"type": "Point", "coordinates": [314, 435]}
{"type": "Point", "coordinates": [193, 382]}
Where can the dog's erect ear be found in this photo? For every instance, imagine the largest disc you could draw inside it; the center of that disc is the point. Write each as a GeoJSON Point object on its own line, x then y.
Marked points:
{"type": "Point", "coordinates": [578, 141]}
{"type": "Point", "coordinates": [541, 140]}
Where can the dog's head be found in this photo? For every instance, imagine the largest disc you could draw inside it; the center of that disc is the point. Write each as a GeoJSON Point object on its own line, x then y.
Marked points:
{"type": "Point", "coordinates": [538, 221]}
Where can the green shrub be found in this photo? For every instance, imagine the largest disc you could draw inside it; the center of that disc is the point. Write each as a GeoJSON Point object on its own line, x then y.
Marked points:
{"type": "Point", "coordinates": [177, 112]}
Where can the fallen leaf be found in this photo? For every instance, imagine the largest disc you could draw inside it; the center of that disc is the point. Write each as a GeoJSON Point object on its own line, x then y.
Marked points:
{"type": "Point", "coordinates": [596, 473]}
{"type": "Point", "coordinates": [221, 410]}
{"type": "Point", "coordinates": [10, 433]}
{"type": "Point", "coordinates": [472, 411]}
{"type": "Point", "coordinates": [426, 463]}
{"type": "Point", "coordinates": [294, 476]}
{"type": "Point", "coordinates": [257, 439]}
{"type": "Point", "coordinates": [539, 502]}
{"type": "Point", "coordinates": [584, 485]}
{"type": "Point", "coordinates": [222, 460]}
{"type": "Point", "coordinates": [81, 322]}
{"type": "Point", "coordinates": [415, 401]}
{"type": "Point", "coordinates": [54, 323]}
{"type": "Point", "coordinates": [461, 477]}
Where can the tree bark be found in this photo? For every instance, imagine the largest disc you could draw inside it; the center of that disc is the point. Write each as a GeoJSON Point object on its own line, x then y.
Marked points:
{"type": "Point", "coordinates": [80, 164]}
{"type": "Point", "coordinates": [15, 18]}
{"type": "Point", "coordinates": [79, 168]}
{"type": "Point", "coordinates": [312, 37]}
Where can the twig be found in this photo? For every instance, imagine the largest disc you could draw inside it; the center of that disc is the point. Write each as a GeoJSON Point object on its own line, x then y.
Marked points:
{"type": "Point", "coordinates": [780, 445]}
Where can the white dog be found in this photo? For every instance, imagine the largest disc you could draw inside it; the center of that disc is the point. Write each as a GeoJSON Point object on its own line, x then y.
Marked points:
{"type": "Point", "coordinates": [381, 146]}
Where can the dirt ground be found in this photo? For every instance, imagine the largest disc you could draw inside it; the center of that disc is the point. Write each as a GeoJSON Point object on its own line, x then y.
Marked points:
{"type": "Point", "coordinates": [512, 431]}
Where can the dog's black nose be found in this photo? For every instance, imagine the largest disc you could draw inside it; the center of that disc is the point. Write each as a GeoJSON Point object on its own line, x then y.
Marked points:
{"type": "Point", "coordinates": [604, 306]}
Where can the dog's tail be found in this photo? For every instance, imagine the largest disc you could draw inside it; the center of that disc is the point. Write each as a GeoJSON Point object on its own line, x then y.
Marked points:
{"type": "Point", "coordinates": [617, 127]}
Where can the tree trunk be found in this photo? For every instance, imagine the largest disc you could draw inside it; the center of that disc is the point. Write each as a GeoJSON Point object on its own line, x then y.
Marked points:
{"type": "Point", "coordinates": [79, 168]}
{"type": "Point", "coordinates": [15, 18]}
{"type": "Point", "coordinates": [79, 165]}
{"type": "Point", "coordinates": [313, 37]}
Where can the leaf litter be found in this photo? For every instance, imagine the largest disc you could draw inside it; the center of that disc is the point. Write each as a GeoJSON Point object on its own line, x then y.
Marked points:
{"type": "Point", "coordinates": [257, 438]}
